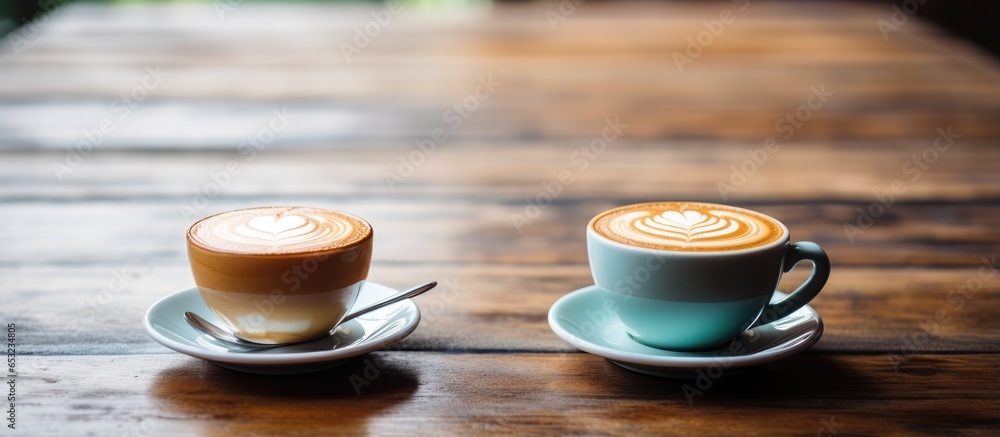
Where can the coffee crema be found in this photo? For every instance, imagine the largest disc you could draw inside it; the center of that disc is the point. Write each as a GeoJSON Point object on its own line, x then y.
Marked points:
{"type": "Point", "coordinates": [687, 227]}
{"type": "Point", "coordinates": [278, 231]}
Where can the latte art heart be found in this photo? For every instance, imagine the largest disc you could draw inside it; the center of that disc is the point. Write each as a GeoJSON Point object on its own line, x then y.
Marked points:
{"type": "Point", "coordinates": [688, 227]}
{"type": "Point", "coordinates": [273, 226]}
{"type": "Point", "coordinates": [279, 230]}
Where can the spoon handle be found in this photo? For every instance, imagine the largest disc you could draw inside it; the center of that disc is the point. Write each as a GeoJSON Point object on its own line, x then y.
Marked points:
{"type": "Point", "coordinates": [415, 291]}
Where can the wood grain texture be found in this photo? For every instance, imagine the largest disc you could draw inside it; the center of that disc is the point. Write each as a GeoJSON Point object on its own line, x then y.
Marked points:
{"type": "Point", "coordinates": [465, 394]}
{"type": "Point", "coordinates": [500, 307]}
{"type": "Point", "coordinates": [555, 83]}
{"type": "Point", "coordinates": [480, 230]}
{"type": "Point", "coordinates": [483, 360]}
{"type": "Point", "coordinates": [515, 169]}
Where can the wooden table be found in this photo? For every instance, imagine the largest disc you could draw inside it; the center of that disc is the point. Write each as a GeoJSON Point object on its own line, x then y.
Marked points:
{"type": "Point", "coordinates": [912, 332]}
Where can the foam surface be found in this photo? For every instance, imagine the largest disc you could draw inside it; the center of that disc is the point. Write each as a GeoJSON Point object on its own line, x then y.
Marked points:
{"type": "Point", "coordinates": [688, 227]}
{"type": "Point", "coordinates": [278, 230]}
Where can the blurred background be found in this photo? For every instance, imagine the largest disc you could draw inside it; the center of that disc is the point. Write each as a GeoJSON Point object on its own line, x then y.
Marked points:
{"type": "Point", "coordinates": [971, 19]}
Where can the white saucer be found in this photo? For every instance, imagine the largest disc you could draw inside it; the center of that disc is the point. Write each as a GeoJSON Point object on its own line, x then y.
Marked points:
{"type": "Point", "coordinates": [165, 322]}
{"type": "Point", "coordinates": [572, 319]}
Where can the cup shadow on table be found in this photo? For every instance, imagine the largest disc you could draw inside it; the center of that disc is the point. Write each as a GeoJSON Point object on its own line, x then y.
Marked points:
{"type": "Point", "coordinates": [202, 391]}
{"type": "Point", "coordinates": [806, 376]}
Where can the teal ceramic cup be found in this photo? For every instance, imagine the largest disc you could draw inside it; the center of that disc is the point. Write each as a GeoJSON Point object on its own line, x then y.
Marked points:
{"type": "Point", "coordinates": [698, 301]}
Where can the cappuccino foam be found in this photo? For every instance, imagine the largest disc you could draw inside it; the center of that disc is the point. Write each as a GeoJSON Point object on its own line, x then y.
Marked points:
{"type": "Point", "coordinates": [278, 231]}
{"type": "Point", "coordinates": [687, 227]}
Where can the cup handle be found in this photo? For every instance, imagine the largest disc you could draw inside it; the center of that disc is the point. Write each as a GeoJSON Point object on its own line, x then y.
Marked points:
{"type": "Point", "coordinates": [803, 250]}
